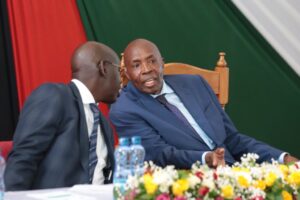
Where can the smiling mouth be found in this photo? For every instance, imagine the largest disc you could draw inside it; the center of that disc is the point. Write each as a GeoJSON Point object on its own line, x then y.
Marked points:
{"type": "Point", "coordinates": [150, 82]}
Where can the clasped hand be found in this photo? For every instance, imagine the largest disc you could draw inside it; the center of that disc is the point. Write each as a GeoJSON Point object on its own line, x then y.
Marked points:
{"type": "Point", "coordinates": [215, 158]}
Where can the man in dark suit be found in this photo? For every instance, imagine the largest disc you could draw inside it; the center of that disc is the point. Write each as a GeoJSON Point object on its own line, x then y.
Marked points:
{"type": "Point", "coordinates": [194, 127]}
{"type": "Point", "coordinates": [61, 138]}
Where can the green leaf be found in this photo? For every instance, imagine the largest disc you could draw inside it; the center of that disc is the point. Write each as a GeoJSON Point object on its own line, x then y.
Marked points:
{"type": "Point", "coordinates": [213, 194]}
{"type": "Point", "coordinates": [182, 174]}
{"type": "Point", "coordinates": [144, 197]}
{"type": "Point", "coordinates": [278, 197]}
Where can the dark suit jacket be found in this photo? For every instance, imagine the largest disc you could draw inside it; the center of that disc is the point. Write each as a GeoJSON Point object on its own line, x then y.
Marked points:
{"type": "Point", "coordinates": [50, 146]}
{"type": "Point", "coordinates": [167, 140]}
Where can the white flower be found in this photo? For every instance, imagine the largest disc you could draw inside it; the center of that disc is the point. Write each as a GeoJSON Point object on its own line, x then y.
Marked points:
{"type": "Point", "coordinates": [256, 193]}
{"type": "Point", "coordinates": [165, 177]}
{"type": "Point", "coordinates": [132, 182]}
{"type": "Point", "coordinates": [246, 179]}
{"type": "Point", "coordinates": [193, 180]}
{"type": "Point", "coordinates": [247, 160]}
{"type": "Point", "coordinates": [257, 172]}
{"type": "Point", "coordinates": [208, 182]}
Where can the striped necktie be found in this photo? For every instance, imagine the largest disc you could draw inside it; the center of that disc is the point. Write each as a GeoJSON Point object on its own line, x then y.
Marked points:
{"type": "Point", "coordinates": [93, 141]}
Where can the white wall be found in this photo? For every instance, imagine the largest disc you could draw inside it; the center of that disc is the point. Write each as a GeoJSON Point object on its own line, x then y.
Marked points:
{"type": "Point", "coordinates": [279, 22]}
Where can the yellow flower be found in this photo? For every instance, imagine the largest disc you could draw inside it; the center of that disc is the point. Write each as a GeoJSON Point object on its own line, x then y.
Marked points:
{"type": "Point", "coordinates": [284, 169]}
{"type": "Point", "coordinates": [240, 169]}
{"type": "Point", "coordinates": [150, 186]}
{"type": "Point", "coordinates": [270, 179]}
{"type": "Point", "coordinates": [179, 187]}
{"type": "Point", "coordinates": [227, 191]}
{"type": "Point", "coordinates": [243, 181]}
{"type": "Point", "coordinates": [260, 184]}
{"type": "Point", "coordinates": [286, 195]}
{"type": "Point", "coordinates": [294, 178]}
{"type": "Point", "coordinates": [236, 169]}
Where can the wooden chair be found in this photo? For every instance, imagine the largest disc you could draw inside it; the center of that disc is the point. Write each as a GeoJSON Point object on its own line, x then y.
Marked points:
{"type": "Point", "coordinates": [218, 78]}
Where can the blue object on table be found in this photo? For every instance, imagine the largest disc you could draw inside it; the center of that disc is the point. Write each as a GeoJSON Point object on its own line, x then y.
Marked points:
{"type": "Point", "coordinates": [137, 156]}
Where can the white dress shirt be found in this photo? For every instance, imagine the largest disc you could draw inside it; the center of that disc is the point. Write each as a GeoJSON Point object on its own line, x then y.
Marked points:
{"type": "Point", "coordinates": [101, 149]}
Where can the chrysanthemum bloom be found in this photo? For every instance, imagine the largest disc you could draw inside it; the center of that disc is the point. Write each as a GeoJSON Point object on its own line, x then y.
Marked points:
{"type": "Point", "coordinates": [179, 187]}
{"type": "Point", "coordinates": [286, 195]}
{"type": "Point", "coordinates": [260, 184]}
{"type": "Point", "coordinates": [150, 186]}
{"type": "Point", "coordinates": [270, 179]}
{"type": "Point", "coordinates": [227, 191]}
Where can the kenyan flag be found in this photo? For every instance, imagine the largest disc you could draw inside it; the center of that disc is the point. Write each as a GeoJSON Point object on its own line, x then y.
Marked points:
{"type": "Point", "coordinates": [260, 38]}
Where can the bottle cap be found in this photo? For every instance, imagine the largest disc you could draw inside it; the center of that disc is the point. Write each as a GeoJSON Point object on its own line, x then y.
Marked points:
{"type": "Point", "coordinates": [123, 141]}
{"type": "Point", "coordinates": [136, 140]}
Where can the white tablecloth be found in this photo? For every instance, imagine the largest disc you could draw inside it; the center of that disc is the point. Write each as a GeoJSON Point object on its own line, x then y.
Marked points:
{"type": "Point", "coordinates": [77, 192]}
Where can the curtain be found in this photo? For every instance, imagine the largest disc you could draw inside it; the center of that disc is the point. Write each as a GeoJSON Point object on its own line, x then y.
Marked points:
{"type": "Point", "coordinates": [44, 35]}
{"type": "Point", "coordinates": [264, 91]}
{"type": "Point", "coordinates": [8, 91]}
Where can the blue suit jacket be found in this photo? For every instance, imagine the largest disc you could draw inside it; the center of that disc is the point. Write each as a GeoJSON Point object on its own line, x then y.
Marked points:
{"type": "Point", "coordinates": [167, 140]}
{"type": "Point", "coordinates": [51, 145]}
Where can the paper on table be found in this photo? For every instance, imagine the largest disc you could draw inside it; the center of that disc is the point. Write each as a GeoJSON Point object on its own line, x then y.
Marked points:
{"type": "Point", "coordinates": [77, 192]}
{"type": "Point", "coordinates": [60, 195]}
{"type": "Point", "coordinates": [101, 191]}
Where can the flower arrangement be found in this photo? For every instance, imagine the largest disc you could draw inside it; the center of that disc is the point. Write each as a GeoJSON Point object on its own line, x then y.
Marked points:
{"type": "Point", "coordinates": [244, 180]}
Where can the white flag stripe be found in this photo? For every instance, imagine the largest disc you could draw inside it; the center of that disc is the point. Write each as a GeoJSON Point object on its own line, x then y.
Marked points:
{"type": "Point", "coordinates": [279, 22]}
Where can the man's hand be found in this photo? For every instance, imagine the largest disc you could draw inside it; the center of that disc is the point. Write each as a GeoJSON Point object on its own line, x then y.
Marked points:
{"type": "Point", "coordinates": [215, 158]}
{"type": "Point", "coordinates": [289, 159]}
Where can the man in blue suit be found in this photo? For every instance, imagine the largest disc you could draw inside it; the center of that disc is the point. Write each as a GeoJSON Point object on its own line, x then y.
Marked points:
{"type": "Point", "coordinates": [194, 127]}
{"type": "Point", "coordinates": [61, 138]}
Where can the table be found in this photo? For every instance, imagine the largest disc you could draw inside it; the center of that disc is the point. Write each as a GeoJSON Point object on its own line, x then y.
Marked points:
{"type": "Point", "coordinates": [77, 192]}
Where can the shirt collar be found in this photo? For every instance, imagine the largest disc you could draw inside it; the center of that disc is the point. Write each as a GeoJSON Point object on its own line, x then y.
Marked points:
{"type": "Point", "coordinates": [85, 93]}
{"type": "Point", "coordinates": [165, 90]}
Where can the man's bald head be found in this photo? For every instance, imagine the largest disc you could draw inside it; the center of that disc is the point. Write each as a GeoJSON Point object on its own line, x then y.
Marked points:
{"type": "Point", "coordinates": [96, 66]}
{"type": "Point", "coordinates": [135, 46]}
{"type": "Point", "coordinates": [87, 56]}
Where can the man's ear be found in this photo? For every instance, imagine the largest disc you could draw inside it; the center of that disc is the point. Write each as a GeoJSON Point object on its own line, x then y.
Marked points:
{"type": "Point", "coordinates": [162, 62]}
{"type": "Point", "coordinates": [102, 69]}
{"type": "Point", "coordinates": [126, 73]}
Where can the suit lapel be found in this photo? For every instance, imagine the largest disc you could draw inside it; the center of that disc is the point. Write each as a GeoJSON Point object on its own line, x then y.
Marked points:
{"type": "Point", "coordinates": [193, 105]}
{"type": "Point", "coordinates": [83, 131]}
{"type": "Point", "coordinates": [106, 131]}
{"type": "Point", "coordinates": [153, 106]}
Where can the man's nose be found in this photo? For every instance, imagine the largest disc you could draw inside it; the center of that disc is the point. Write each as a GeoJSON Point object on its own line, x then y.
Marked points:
{"type": "Point", "coordinates": [146, 67]}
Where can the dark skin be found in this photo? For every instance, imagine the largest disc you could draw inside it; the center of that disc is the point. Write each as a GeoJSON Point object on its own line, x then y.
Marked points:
{"type": "Point", "coordinates": [290, 159]}
{"type": "Point", "coordinates": [144, 68]}
{"type": "Point", "coordinates": [94, 65]}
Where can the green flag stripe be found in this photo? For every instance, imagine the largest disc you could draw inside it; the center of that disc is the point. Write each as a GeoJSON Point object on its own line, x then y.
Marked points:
{"type": "Point", "coordinates": [264, 91]}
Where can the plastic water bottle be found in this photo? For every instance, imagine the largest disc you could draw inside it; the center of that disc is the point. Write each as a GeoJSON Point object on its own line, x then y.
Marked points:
{"type": "Point", "coordinates": [122, 166]}
{"type": "Point", "coordinates": [137, 156]}
{"type": "Point", "coordinates": [2, 168]}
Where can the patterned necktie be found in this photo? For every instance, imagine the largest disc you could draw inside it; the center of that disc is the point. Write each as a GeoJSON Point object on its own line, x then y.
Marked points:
{"type": "Point", "coordinates": [93, 141]}
{"type": "Point", "coordinates": [162, 99]}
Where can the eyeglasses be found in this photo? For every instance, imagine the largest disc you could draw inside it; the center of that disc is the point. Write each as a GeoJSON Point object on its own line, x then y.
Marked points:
{"type": "Point", "coordinates": [107, 62]}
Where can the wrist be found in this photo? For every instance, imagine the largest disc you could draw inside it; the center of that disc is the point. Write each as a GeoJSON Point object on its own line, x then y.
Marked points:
{"type": "Point", "coordinates": [208, 157]}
